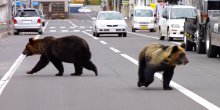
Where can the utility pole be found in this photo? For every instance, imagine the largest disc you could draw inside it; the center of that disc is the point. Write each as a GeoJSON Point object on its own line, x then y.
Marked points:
{"type": "Point", "coordinates": [9, 16]}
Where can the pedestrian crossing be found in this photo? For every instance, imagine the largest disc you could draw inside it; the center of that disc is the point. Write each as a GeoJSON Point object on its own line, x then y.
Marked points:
{"type": "Point", "coordinates": [64, 29]}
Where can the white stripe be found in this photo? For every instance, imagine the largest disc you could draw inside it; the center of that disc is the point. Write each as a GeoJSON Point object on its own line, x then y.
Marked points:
{"type": "Point", "coordinates": [52, 27]}
{"type": "Point", "coordinates": [76, 30]}
{"type": "Point", "coordinates": [90, 35]}
{"type": "Point", "coordinates": [205, 103]}
{"type": "Point", "coordinates": [82, 27]}
{"type": "Point", "coordinates": [64, 30]}
{"type": "Point", "coordinates": [53, 31]}
{"type": "Point", "coordinates": [6, 78]}
{"type": "Point", "coordinates": [115, 50]}
{"type": "Point", "coordinates": [72, 24]}
{"type": "Point", "coordinates": [103, 42]}
{"type": "Point", "coordinates": [178, 43]}
{"type": "Point", "coordinates": [72, 27]}
{"type": "Point", "coordinates": [62, 27]}
{"type": "Point", "coordinates": [88, 30]}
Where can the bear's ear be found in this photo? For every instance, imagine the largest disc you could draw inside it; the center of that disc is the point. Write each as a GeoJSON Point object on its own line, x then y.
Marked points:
{"type": "Point", "coordinates": [183, 45]}
{"type": "Point", "coordinates": [175, 49]}
{"type": "Point", "coordinates": [31, 41]}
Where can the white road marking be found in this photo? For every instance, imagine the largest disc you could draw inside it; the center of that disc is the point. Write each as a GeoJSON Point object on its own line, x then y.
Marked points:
{"type": "Point", "coordinates": [72, 27]}
{"type": "Point", "coordinates": [53, 30]}
{"type": "Point", "coordinates": [205, 103]}
{"type": "Point", "coordinates": [52, 27]}
{"type": "Point", "coordinates": [178, 43]}
{"type": "Point", "coordinates": [96, 38]}
{"type": "Point", "coordinates": [82, 27]}
{"type": "Point", "coordinates": [62, 27]}
{"type": "Point", "coordinates": [88, 30]}
{"type": "Point", "coordinates": [72, 24]}
{"type": "Point", "coordinates": [6, 78]}
{"type": "Point", "coordinates": [76, 30]}
{"type": "Point", "coordinates": [114, 49]}
{"type": "Point", "coordinates": [64, 30]}
{"type": "Point", "coordinates": [103, 42]}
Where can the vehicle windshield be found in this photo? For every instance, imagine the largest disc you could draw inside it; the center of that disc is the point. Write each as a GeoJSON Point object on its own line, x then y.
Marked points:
{"type": "Point", "coordinates": [110, 16]}
{"type": "Point", "coordinates": [143, 13]}
{"type": "Point", "coordinates": [27, 13]}
{"type": "Point", "coordinates": [181, 13]}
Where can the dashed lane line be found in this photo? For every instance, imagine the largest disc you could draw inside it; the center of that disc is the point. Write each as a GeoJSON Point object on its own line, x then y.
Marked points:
{"type": "Point", "coordinates": [203, 102]}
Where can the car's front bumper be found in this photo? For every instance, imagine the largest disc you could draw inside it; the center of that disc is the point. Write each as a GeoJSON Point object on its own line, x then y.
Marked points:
{"type": "Point", "coordinates": [106, 30]}
{"type": "Point", "coordinates": [143, 26]}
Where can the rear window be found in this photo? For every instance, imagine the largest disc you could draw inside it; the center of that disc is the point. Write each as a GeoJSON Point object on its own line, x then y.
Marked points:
{"type": "Point", "coordinates": [27, 13]}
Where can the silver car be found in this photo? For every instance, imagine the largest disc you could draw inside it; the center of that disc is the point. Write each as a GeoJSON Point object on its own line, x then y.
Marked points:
{"type": "Point", "coordinates": [27, 20]}
{"type": "Point", "coordinates": [109, 22]}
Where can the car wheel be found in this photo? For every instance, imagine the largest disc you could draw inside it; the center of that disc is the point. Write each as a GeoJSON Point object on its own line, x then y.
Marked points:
{"type": "Point", "coordinates": [211, 50]}
{"type": "Point", "coordinates": [168, 35]}
{"type": "Point", "coordinates": [43, 23]}
{"type": "Point", "coordinates": [189, 45]}
{"type": "Point", "coordinates": [93, 34]}
{"type": "Point", "coordinates": [200, 46]}
{"type": "Point", "coordinates": [133, 30]}
{"type": "Point", "coordinates": [16, 33]}
{"type": "Point", "coordinates": [152, 30]}
{"type": "Point", "coordinates": [160, 35]}
{"type": "Point", "coordinates": [124, 34]}
{"type": "Point", "coordinates": [97, 34]}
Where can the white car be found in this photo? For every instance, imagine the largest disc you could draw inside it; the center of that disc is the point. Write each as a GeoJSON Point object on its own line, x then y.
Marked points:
{"type": "Point", "coordinates": [143, 18]}
{"type": "Point", "coordinates": [84, 10]}
{"type": "Point", "coordinates": [171, 23]}
{"type": "Point", "coordinates": [109, 22]}
{"type": "Point", "coordinates": [27, 20]}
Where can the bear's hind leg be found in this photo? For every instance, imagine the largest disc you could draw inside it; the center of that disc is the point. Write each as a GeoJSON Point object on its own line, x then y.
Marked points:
{"type": "Point", "coordinates": [78, 70]}
{"type": "Point", "coordinates": [90, 66]}
{"type": "Point", "coordinates": [167, 76]}
{"type": "Point", "coordinates": [58, 64]}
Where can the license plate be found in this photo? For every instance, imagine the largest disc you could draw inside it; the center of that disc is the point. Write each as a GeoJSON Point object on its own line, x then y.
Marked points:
{"type": "Point", "coordinates": [112, 30]}
{"type": "Point", "coordinates": [26, 21]}
{"type": "Point", "coordinates": [143, 27]}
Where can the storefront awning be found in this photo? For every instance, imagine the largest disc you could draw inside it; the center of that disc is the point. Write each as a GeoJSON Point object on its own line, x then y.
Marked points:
{"type": "Point", "coordinates": [20, 3]}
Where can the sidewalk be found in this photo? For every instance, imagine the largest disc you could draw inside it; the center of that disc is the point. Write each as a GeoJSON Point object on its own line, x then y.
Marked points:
{"type": "Point", "coordinates": [3, 30]}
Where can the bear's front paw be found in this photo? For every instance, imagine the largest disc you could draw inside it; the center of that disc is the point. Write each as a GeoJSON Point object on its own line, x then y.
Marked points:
{"type": "Point", "coordinates": [167, 88]}
{"type": "Point", "coordinates": [76, 74]}
{"type": "Point", "coordinates": [29, 72]}
{"type": "Point", "coordinates": [139, 84]}
{"type": "Point", "coordinates": [59, 74]}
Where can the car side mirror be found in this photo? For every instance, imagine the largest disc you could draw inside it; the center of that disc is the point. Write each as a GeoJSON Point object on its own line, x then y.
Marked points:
{"type": "Point", "coordinates": [132, 15]}
{"type": "Point", "coordinates": [216, 28]}
{"type": "Point", "coordinates": [164, 16]}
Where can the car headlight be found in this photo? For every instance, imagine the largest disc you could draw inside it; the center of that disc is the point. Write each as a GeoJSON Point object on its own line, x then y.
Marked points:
{"type": "Point", "coordinates": [122, 25]}
{"type": "Point", "coordinates": [151, 21]}
{"type": "Point", "coordinates": [100, 25]}
{"type": "Point", "coordinates": [175, 26]}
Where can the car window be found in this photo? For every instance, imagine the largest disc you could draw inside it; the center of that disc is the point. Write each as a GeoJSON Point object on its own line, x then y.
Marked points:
{"type": "Point", "coordinates": [27, 13]}
{"type": "Point", "coordinates": [180, 13]}
{"type": "Point", "coordinates": [109, 16]}
{"type": "Point", "coordinates": [143, 13]}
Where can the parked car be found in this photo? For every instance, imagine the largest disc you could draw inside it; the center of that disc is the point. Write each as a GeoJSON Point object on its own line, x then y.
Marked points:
{"type": "Point", "coordinates": [143, 18]}
{"type": "Point", "coordinates": [171, 23]}
{"type": "Point", "coordinates": [109, 22]}
{"type": "Point", "coordinates": [84, 10]}
{"type": "Point", "coordinates": [42, 17]}
{"type": "Point", "coordinates": [27, 20]}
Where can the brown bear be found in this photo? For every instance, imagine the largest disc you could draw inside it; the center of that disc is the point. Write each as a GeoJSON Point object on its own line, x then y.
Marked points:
{"type": "Point", "coordinates": [157, 57]}
{"type": "Point", "coordinates": [70, 49]}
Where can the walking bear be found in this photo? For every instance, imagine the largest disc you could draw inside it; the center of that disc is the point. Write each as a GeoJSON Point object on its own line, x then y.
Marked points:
{"type": "Point", "coordinates": [157, 57]}
{"type": "Point", "coordinates": [70, 49]}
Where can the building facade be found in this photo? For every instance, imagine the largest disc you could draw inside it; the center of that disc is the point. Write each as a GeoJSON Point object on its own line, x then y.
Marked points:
{"type": "Point", "coordinates": [3, 10]}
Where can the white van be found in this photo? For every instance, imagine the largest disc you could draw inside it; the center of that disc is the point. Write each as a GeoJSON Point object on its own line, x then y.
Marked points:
{"type": "Point", "coordinates": [143, 18]}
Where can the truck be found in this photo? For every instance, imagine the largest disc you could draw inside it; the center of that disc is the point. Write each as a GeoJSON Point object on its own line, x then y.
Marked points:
{"type": "Point", "coordinates": [202, 32]}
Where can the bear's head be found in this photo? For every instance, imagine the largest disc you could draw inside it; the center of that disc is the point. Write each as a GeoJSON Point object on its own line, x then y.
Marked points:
{"type": "Point", "coordinates": [177, 55]}
{"type": "Point", "coordinates": [36, 46]}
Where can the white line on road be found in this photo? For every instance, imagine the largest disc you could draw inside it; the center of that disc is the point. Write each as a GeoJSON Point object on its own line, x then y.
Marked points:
{"type": "Point", "coordinates": [64, 30]}
{"type": "Point", "coordinates": [205, 103]}
{"type": "Point", "coordinates": [114, 49]}
{"type": "Point", "coordinates": [103, 42]}
{"type": "Point", "coordinates": [53, 30]}
{"type": "Point", "coordinates": [90, 35]}
{"type": "Point", "coordinates": [72, 24]}
{"type": "Point", "coordinates": [62, 27]}
{"type": "Point", "coordinates": [6, 78]}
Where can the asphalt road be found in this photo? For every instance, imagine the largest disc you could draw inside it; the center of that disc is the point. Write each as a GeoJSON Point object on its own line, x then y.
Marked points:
{"type": "Point", "coordinates": [196, 84]}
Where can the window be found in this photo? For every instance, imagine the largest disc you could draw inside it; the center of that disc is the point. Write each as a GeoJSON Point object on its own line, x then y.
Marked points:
{"type": "Point", "coordinates": [58, 7]}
